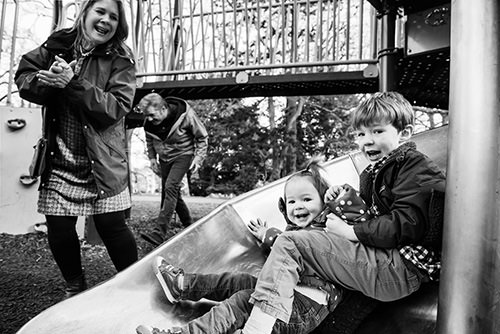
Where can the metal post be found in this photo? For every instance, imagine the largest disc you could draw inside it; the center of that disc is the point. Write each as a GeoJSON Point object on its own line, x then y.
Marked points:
{"type": "Point", "coordinates": [2, 24]}
{"type": "Point", "coordinates": [388, 52]}
{"type": "Point", "coordinates": [12, 54]}
{"type": "Point", "coordinates": [470, 279]}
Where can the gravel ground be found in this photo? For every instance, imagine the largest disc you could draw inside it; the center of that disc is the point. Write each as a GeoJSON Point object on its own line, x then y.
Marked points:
{"type": "Point", "coordinates": [30, 280]}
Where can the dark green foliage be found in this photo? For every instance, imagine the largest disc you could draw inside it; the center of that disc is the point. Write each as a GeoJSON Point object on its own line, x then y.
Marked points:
{"type": "Point", "coordinates": [240, 150]}
{"type": "Point", "coordinates": [237, 151]}
{"type": "Point", "coordinates": [323, 127]}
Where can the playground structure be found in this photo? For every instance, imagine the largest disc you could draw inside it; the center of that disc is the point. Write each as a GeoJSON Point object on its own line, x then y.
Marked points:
{"type": "Point", "coordinates": [431, 64]}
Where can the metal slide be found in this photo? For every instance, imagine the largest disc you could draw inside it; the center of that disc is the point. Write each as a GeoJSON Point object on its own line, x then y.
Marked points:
{"type": "Point", "coordinates": [216, 243]}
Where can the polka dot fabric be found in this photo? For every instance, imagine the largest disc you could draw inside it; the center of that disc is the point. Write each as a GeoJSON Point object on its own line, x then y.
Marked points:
{"type": "Point", "coordinates": [350, 206]}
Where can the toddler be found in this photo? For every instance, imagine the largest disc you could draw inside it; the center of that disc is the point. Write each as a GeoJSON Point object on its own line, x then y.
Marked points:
{"type": "Point", "coordinates": [302, 206]}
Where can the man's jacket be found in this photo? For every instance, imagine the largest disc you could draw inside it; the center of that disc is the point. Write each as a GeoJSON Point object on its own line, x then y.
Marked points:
{"type": "Point", "coordinates": [187, 135]}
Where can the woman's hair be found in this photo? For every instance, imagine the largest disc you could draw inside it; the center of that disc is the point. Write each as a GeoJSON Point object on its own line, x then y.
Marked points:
{"type": "Point", "coordinates": [152, 99]}
{"type": "Point", "coordinates": [313, 172]}
{"type": "Point", "coordinates": [389, 107]}
{"type": "Point", "coordinates": [117, 42]}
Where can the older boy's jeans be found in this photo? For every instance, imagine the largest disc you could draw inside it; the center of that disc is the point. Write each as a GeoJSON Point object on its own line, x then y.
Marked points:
{"type": "Point", "coordinates": [234, 290]}
{"type": "Point", "coordinates": [377, 273]}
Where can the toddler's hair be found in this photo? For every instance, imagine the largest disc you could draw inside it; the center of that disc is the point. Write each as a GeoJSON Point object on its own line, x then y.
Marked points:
{"type": "Point", "coordinates": [312, 171]}
{"type": "Point", "coordinates": [152, 99]}
{"type": "Point", "coordinates": [384, 107]}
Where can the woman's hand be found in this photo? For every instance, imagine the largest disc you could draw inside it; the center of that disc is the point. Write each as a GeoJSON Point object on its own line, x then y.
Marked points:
{"type": "Point", "coordinates": [336, 225]}
{"type": "Point", "coordinates": [258, 228]}
{"type": "Point", "coordinates": [59, 74]}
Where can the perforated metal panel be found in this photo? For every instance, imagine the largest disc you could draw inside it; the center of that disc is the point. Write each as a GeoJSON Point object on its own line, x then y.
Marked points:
{"type": "Point", "coordinates": [424, 79]}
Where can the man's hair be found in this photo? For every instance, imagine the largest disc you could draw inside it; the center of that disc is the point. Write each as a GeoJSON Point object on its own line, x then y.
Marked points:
{"type": "Point", "coordinates": [385, 107]}
{"type": "Point", "coordinates": [152, 99]}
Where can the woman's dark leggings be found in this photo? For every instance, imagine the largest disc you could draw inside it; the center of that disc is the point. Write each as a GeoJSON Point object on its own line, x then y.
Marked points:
{"type": "Point", "coordinates": [65, 245]}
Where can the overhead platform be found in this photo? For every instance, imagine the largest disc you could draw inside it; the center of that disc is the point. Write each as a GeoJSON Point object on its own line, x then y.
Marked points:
{"type": "Point", "coordinates": [410, 6]}
{"type": "Point", "coordinates": [423, 79]}
{"type": "Point", "coordinates": [328, 83]}
{"type": "Point", "coordinates": [221, 242]}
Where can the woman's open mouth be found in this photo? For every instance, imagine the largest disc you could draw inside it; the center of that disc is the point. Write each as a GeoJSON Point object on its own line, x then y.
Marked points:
{"type": "Point", "coordinates": [101, 30]}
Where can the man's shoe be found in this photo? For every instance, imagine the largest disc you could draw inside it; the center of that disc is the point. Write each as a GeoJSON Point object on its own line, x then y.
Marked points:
{"type": "Point", "coordinates": [156, 238]}
{"type": "Point", "coordinates": [153, 330]}
{"type": "Point", "coordinates": [168, 276]}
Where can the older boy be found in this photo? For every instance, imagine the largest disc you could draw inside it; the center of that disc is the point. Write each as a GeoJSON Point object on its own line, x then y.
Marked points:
{"type": "Point", "coordinates": [383, 257]}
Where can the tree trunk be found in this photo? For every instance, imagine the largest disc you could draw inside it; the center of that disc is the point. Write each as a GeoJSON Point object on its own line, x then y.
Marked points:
{"type": "Point", "coordinates": [294, 107]}
{"type": "Point", "coordinates": [275, 151]}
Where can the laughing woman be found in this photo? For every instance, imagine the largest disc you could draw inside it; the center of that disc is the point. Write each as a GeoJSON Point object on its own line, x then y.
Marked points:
{"type": "Point", "coordinates": [84, 77]}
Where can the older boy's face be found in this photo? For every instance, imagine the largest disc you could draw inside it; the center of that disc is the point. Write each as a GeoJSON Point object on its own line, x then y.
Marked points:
{"type": "Point", "coordinates": [378, 140]}
{"type": "Point", "coordinates": [155, 115]}
{"type": "Point", "coordinates": [303, 202]}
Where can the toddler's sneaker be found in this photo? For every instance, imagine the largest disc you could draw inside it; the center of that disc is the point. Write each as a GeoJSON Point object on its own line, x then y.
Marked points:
{"type": "Point", "coordinates": [169, 277]}
{"type": "Point", "coordinates": [153, 330]}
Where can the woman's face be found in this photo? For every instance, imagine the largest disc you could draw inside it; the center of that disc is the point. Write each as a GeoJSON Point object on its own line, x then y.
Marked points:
{"type": "Point", "coordinates": [101, 21]}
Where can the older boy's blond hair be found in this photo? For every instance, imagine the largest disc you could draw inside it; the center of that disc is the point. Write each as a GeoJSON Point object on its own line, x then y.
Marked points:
{"type": "Point", "coordinates": [384, 107]}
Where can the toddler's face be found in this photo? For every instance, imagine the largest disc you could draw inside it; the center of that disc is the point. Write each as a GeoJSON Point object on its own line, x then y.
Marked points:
{"type": "Point", "coordinates": [303, 202]}
{"type": "Point", "coordinates": [378, 140]}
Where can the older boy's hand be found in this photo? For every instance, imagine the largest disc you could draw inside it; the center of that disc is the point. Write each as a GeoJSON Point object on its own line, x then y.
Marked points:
{"type": "Point", "coordinates": [332, 193]}
{"type": "Point", "coordinates": [336, 225]}
{"type": "Point", "coordinates": [258, 228]}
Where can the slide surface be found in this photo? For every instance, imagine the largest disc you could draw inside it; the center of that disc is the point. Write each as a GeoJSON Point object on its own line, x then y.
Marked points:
{"type": "Point", "coordinates": [216, 243]}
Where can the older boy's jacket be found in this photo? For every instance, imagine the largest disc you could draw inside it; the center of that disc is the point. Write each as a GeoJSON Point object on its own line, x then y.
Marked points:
{"type": "Point", "coordinates": [102, 94]}
{"type": "Point", "coordinates": [400, 190]}
{"type": "Point", "coordinates": [187, 136]}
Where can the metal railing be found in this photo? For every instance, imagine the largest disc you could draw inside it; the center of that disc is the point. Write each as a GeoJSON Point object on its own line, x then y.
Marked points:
{"type": "Point", "coordinates": [205, 39]}
{"type": "Point", "coordinates": [201, 39]}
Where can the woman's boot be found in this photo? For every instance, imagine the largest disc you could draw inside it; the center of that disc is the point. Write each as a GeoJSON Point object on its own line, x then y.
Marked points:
{"type": "Point", "coordinates": [75, 286]}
